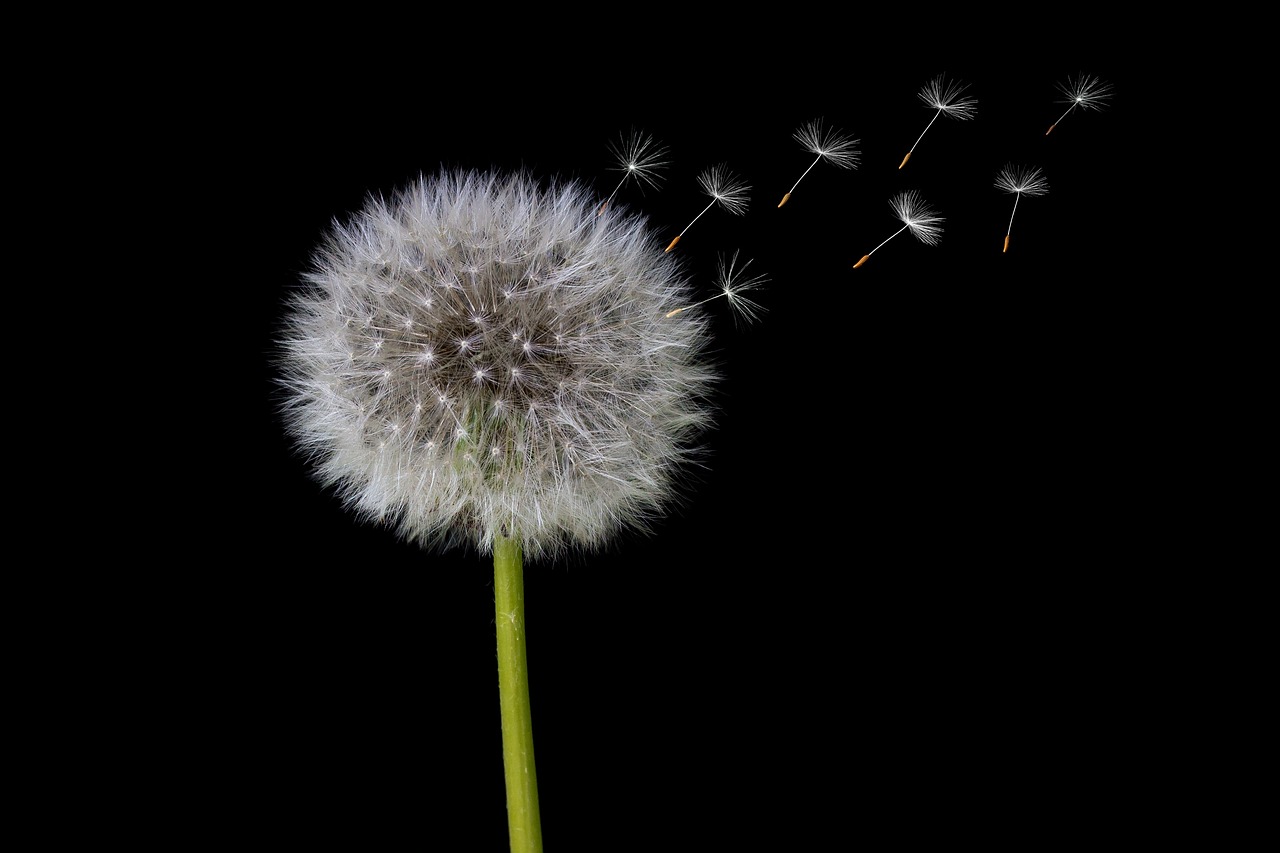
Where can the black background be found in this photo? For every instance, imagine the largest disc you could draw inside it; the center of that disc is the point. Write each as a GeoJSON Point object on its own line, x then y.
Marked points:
{"type": "Point", "coordinates": [879, 610]}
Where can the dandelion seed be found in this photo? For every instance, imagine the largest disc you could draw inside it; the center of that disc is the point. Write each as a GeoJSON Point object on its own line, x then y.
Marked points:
{"type": "Point", "coordinates": [638, 157]}
{"type": "Point", "coordinates": [945, 97]}
{"type": "Point", "coordinates": [1020, 181]}
{"type": "Point", "coordinates": [733, 283]}
{"type": "Point", "coordinates": [838, 150]}
{"type": "Point", "coordinates": [725, 188]}
{"type": "Point", "coordinates": [1086, 92]}
{"type": "Point", "coordinates": [915, 215]}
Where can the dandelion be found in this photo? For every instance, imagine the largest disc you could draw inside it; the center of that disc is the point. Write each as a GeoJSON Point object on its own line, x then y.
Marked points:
{"type": "Point", "coordinates": [725, 189]}
{"type": "Point", "coordinates": [1020, 181]}
{"type": "Point", "coordinates": [471, 288]}
{"type": "Point", "coordinates": [838, 150]}
{"type": "Point", "coordinates": [915, 215]}
{"type": "Point", "coordinates": [734, 283]}
{"type": "Point", "coordinates": [944, 96]}
{"type": "Point", "coordinates": [483, 361]}
{"type": "Point", "coordinates": [1084, 91]}
{"type": "Point", "coordinates": [638, 157]}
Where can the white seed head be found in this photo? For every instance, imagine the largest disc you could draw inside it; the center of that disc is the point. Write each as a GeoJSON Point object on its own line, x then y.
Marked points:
{"type": "Point", "coordinates": [1085, 91]}
{"type": "Point", "coordinates": [538, 390]}
{"type": "Point", "coordinates": [829, 144]}
{"type": "Point", "coordinates": [1024, 180]}
{"type": "Point", "coordinates": [946, 95]}
{"type": "Point", "coordinates": [914, 213]}
{"type": "Point", "coordinates": [724, 187]}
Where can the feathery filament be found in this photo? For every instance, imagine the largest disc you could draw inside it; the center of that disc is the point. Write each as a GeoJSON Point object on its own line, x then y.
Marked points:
{"type": "Point", "coordinates": [1020, 180]}
{"type": "Point", "coordinates": [946, 97]}
{"type": "Point", "coordinates": [725, 188]}
{"type": "Point", "coordinates": [638, 157]}
{"type": "Point", "coordinates": [837, 149]}
{"type": "Point", "coordinates": [1084, 91]}
{"type": "Point", "coordinates": [916, 216]}
{"type": "Point", "coordinates": [733, 283]}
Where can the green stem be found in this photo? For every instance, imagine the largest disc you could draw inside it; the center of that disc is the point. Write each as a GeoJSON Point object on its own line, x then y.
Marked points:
{"type": "Point", "coordinates": [523, 822]}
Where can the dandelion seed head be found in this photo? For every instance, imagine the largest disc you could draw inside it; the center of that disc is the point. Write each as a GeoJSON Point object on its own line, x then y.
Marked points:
{"type": "Point", "coordinates": [948, 96]}
{"type": "Point", "coordinates": [913, 212]}
{"type": "Point", "coordinates": [1024, 180]}
{"type": "Point", "coordinates": [537, 393]}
